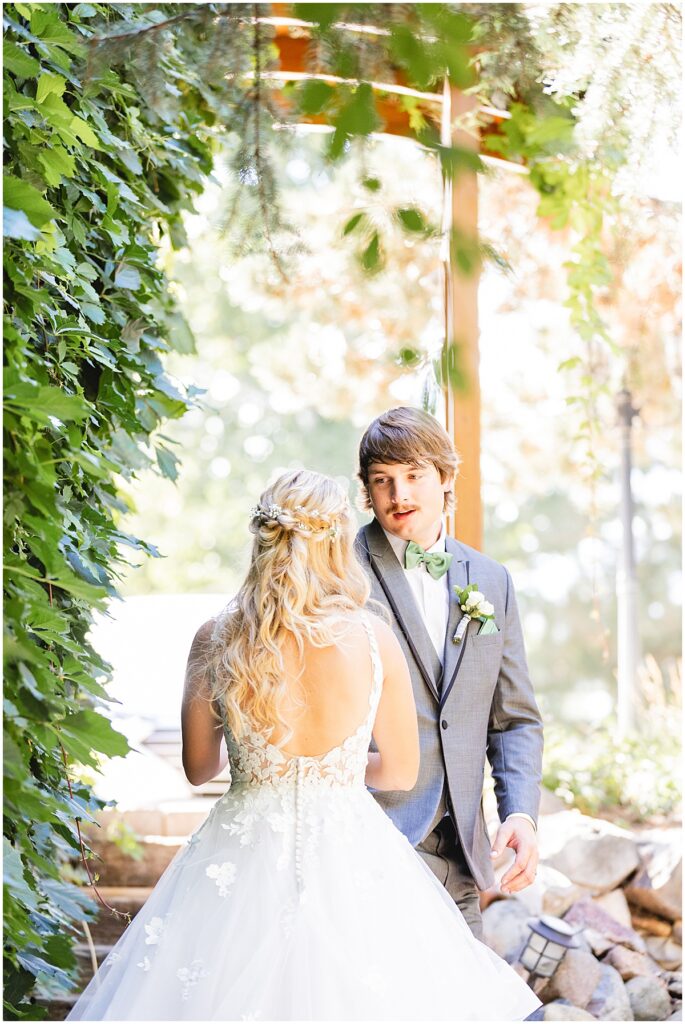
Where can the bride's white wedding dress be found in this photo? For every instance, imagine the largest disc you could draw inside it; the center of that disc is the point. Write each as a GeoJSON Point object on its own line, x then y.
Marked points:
{"type": "Point", "coordinates": [299, 899]}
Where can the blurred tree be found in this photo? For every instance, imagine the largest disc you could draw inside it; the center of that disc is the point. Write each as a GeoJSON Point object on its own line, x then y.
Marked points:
{"type": "Point", "coordinates": [294, 373]}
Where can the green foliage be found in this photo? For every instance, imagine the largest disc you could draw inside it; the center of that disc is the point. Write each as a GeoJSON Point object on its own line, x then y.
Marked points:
{"type": "Point", "coordinates": [93, 177]}
{"type": "Point", "coordinates": [631, 779]}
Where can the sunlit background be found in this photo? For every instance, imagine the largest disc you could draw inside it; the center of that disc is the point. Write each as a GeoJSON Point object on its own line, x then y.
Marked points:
{"type": "Point", "coordinates": [294, 370]}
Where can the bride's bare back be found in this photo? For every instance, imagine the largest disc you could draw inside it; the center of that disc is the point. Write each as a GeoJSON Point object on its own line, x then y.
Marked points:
{"type": "Point", "coordinates": [327, 700]}
{"type": "Point", "coordinates": [328, 692]}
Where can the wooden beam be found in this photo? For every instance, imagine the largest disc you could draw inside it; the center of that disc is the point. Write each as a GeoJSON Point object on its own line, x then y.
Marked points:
{"type": "Point", "coordinates": [462, 385]}
{"type": "Point", "coordinates": [296, 60]}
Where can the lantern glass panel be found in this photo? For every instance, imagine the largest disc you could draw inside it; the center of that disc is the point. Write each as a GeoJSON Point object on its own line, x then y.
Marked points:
{"type": "Point", "coordinates": [530, 959]}
{"type": "Point", "coordinates": [537, 942]}
{"type": "Point", "coordinates": [546, 967]}
{"type": "Point", "coordinates": [555, 950]}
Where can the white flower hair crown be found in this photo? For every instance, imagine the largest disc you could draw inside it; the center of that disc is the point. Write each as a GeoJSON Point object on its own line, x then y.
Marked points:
{"type": "Point", "coordinates": [299, 519]}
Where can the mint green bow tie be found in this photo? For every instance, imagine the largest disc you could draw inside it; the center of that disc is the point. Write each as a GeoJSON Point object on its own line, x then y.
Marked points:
{"type": "Point", "coordinates": [437, 562]}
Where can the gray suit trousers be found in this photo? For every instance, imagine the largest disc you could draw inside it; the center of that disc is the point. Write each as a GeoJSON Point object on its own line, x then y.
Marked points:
{"type": "Point", "coordinates": [442, 852]}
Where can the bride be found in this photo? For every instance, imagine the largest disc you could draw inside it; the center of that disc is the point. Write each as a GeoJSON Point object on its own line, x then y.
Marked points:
{"type": "Point", "coordinates": [298, 899]}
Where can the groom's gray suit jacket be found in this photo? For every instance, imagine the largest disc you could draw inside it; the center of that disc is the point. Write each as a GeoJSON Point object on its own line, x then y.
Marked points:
{"type": "Point", "coordinates": [481, 704]}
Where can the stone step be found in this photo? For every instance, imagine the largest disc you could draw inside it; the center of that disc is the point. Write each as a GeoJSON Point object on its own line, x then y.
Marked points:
{"type": "Point", "coordinates": [169, 818]}
{"type": "Point", "coordinates": [115, 868]}
{"type": "Point", "coordinates": [166, 743]}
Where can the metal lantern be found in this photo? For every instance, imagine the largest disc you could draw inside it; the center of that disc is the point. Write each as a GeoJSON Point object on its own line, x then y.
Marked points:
{"type": "Point", "coordinates": [549, 939]}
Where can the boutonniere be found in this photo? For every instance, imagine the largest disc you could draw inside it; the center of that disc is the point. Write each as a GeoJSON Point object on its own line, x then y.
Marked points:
{"type": "Point", "coordinates": [474, 606]}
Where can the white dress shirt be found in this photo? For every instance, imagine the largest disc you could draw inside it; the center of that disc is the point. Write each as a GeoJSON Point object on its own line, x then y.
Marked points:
{"type": "Point", "coordinates": [432, 596]}
{"type": "Point", "coordinates": [433, 601]}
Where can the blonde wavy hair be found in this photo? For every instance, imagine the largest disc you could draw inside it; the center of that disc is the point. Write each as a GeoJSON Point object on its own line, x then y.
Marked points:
{"type": "Point", "coordinates": [303, 579]}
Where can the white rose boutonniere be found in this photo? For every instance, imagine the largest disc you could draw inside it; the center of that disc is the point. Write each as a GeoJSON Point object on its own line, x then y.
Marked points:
{"type": "Point", "coordinates": [474, 605]}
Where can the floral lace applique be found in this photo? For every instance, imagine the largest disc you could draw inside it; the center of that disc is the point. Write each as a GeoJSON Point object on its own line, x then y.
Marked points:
{"type": "Point", "coordinates": [145, 963]}
{"type": "Point", "coordinates": [276, 789]}
{"type": "Point", "coordinates": [223, 875]}
{"type": "Point", "coordinates": [244, 822]}
{"type": "Point", "coordinates": [154, 930]}
{"type": "Point", "coordinates": [189, 977]}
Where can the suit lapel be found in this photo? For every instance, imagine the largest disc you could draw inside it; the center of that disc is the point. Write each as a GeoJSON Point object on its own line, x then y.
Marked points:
{"type": "Point", "coordinates": [457, 576]}
{"type": "Point", "coordinates": [391, 577]}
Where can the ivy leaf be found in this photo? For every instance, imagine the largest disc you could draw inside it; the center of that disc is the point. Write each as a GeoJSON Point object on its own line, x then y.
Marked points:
{"type": "Point", "coordinates": [56, 164]}
{"type": "Point", "coordinates": [38, 966]}
{"type": "Point", "coordinates": [409, 50]}
{"type": "Point", "coordinates": [49, 83]}
{"type": "Point", "coordinates": [13, 876]}
{"type": "Point", "coordinates": [353, 223]}
{"type": "Point", "coordinates": [93, 312]}
{"type": "Point", "coordinates": [46, 24]}
{"type": "Point", "coordinates": [314, 95]}
{"type": "Point", "coordinates": [358, 116]}
{"type": "Point", "coordinates": [127, 277]}
{"type": "Point", "coordinates": [179, 334]}
{"type": "Point", "coordinates": [323, 15]}
{"type": "Point", "coordinates": [44, 401]}
{"type": "Point", "coordinates": [18, 61]}
{"type": "Point", "coordinates": [167, 462]}
{"type": "Point", "coordinates": [20, 195]}
{"type": "Point", "coordinates": [15, 224]}
{"type": "Point", "coordinates": [87, 730]}
{"type": "Point", "coordinates": [412, 220]}
{"type": "Point", "coordinates": [371, 256]}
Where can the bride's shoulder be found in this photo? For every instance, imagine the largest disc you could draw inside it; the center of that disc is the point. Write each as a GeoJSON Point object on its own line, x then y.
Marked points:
{"type": "Point", "coordinates": [383, 632]}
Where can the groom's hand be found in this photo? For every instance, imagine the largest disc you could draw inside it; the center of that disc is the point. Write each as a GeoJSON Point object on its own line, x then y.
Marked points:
{"type": "Point", "coordinates": [519, 835]}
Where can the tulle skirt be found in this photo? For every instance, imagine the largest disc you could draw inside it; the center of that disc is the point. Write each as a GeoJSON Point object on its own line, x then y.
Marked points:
{"type": "Point", "coordinates": [301, 905]}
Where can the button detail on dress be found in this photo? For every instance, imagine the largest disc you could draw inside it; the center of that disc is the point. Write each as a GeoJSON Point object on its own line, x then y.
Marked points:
{"type": "Point", "coordinates": [444, 724]}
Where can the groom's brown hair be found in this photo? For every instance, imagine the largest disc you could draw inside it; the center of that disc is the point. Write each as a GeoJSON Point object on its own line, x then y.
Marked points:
{"type": "Point", "coordinates": [409, 436]}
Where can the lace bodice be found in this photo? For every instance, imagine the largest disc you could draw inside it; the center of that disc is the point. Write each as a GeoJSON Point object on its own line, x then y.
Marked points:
{"type": "Point", "coordinates": [255, 761]}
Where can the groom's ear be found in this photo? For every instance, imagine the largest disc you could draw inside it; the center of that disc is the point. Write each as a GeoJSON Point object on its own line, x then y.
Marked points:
{"type": "Point", "coordinates": [448, 482]}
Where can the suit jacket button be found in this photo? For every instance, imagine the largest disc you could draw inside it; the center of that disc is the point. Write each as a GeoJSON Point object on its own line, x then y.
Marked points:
{"type": "Point", "coordinates": [443, 724]}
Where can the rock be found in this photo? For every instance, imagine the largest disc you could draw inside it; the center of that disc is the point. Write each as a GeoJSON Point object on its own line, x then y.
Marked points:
{"type": "Point", "coordinates": [551, 893]}
{"type": "Point", "coordinates": [616, 904]}
{"type": "Point", "coordinates": [630, 964]}
{"type": "Point", "coordinates": [678, 1015]}
{"type": "Point", "coordinates": [658, 885]}
{"type": "Point", "coordinates": [560, 1009]}
{"type": "Point", "coordinates": [594, 919]}
{"type": "Point", "coordinates": [557, 899]}
{"type": "Point", "coordinates": [575, 979]}
{"type": "Point", "coordinates": [649, 998]}
{"type": "Point", "coordinates": [591, 852]}
{"type": "Point", "coordinates": [674, 983]}
{"type": "Point", "coordinates": [650, 924]}
{"type": "Point", "coordinates": [505, 928]}
{"type": "Point", "coordinates": [550, 803]}
{"type": "Point", "coordinates": [610, 1000]}
{"type": "Point", "coordinates": [666, 952]}
{"type": "Point", "coordinates": [597, 943]}
{"type": "Point", "coordinates": [677, 932]}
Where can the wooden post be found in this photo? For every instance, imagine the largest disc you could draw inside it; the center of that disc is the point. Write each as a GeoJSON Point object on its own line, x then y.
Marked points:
{"type": "Point", "coordinates": [462, 387]}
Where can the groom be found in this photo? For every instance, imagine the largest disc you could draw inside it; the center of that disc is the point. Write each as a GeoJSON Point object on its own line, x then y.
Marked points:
{"type": "Point", "coordinates": [474, 697]}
